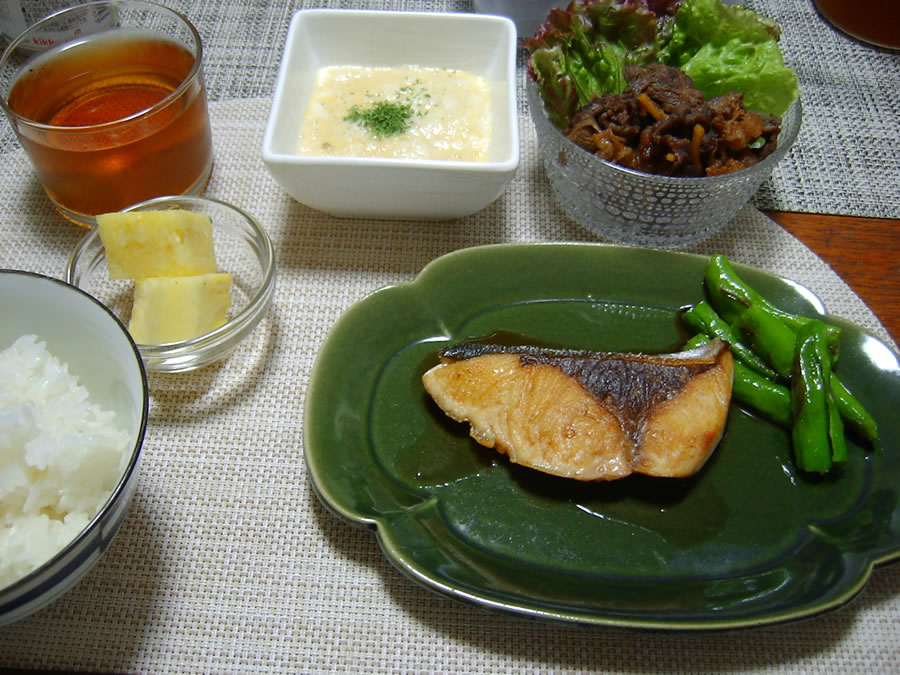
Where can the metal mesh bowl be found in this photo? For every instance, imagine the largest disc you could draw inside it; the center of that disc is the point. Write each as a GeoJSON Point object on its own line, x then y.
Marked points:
{"type": "Point", "coordinates": [632, 207]}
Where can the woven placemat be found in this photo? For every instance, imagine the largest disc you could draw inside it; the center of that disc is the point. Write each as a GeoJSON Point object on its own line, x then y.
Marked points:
{"type": "Point", "coordinates": [227, 562]}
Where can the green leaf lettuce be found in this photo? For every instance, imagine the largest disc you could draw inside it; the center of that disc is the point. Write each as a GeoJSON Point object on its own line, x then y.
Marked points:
{"type": "Point", "coordinates": [755, 69]}
{"type": "Point", "coordinates": [581, 51]}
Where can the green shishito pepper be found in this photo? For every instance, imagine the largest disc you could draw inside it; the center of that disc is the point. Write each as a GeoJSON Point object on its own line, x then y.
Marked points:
{"type": "Point", "coordinates": [773, 348]}
{"type": "Point", "coordinates": [749, 311]}
{"type": "Point", "coordinates": [760, 394]}
{"type": "Point", "coordinates": [853, 411]}
{"type": "Point", "coordinates": [818, 431]}
{"type": "Point", "coordinates": [835, 424]}
{"type": "Point", "coordinates": [731, 297]}
{"type": "Point", "coordinates": [769, 337]}
{"type": "Point", "coordinates": [704, 319]}
{"type": "Point", "coordinates": [809, 434]}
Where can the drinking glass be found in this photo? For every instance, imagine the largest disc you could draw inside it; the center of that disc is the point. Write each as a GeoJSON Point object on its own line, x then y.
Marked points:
{"type": "Point", "coordinates": [113, 109]}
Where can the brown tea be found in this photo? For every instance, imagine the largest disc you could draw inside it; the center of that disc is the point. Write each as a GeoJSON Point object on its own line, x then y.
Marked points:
{"type": "Point", "coordinates": [112, 138]}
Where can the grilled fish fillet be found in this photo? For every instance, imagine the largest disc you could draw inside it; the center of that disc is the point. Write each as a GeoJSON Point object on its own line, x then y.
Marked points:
{"type": "Point", "coordinates": [590, 416]}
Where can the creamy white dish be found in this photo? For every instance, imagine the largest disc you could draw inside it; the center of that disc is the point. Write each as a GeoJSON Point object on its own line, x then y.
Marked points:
{"type": "Point", "coordinates": [407, 112]}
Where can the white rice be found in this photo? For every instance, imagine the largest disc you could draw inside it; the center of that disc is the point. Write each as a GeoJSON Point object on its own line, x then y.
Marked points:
{"type": "Point", "coordinates": [60, 457]}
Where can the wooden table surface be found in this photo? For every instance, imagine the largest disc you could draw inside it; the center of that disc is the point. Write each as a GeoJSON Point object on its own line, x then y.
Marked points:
{"type": "Point", "coordinates": [865, 253]}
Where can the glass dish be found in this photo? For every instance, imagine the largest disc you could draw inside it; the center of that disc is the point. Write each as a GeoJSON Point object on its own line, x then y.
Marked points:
{"type": "Point", "coordinates": [243, 249]}
{"type": "Point", "coordinates": [636, 208]}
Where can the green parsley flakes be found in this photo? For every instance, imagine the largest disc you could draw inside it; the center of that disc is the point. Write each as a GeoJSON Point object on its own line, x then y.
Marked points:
{"type": "Point", "coordinates": [384, 118]}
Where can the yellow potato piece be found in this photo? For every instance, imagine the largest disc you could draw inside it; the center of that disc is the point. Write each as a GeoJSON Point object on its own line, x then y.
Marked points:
{"type": "Point", "coordinates": [143, 244]}
{"type": "Point", "coordinates": [171, 309]}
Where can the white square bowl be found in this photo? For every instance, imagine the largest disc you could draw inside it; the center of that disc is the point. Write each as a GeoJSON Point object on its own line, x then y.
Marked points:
{"type": "Point", "coordinates": [393, 188]}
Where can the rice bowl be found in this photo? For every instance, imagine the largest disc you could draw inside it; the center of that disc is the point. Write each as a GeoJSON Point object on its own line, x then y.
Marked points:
{"type": "Point", "coordinates": [98, 352]}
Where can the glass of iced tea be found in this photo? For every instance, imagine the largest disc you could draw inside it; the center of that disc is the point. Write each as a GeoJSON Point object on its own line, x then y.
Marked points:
{"type": "Point", "coordinates": [112, 108]}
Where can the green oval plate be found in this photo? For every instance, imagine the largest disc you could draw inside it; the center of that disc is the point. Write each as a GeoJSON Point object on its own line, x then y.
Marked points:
{"type": "Point", "coordinates": [746, 542]}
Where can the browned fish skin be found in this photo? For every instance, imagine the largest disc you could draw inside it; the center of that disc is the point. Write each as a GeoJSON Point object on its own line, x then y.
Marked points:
{"type": "Point", "coordinates": [589, 415]}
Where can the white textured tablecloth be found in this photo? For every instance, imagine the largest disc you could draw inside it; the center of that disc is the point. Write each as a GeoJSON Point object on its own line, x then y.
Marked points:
{"type": "Point", "coordinates": [227, 562]}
